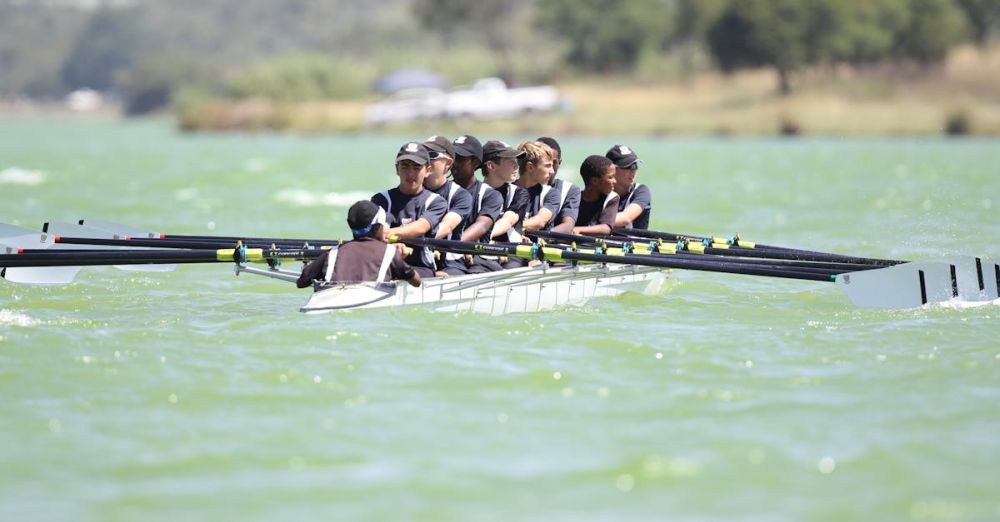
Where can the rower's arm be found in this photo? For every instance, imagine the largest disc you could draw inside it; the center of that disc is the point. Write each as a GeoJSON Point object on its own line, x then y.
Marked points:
{"type": "Point", "coordinates": [600, 229]}
{"type": "Point", "coordinates": [481, 226]}
{"type": "Point", "coordinates": [447, 225]}
{"type": "Point", "coordinates": [505, 223]}
{"type": "Point", "coordinates": [538, 220]}
{"type": "Point", "coordinates": [412, 229]}
{"type": "Point", "coordinates": [565, 226]}
{"type": "Point", "coordinates": [627, 216]}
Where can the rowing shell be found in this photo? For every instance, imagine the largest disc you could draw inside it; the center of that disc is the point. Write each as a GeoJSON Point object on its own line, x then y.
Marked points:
{"type": "Point", "coordinates": [521, 290]}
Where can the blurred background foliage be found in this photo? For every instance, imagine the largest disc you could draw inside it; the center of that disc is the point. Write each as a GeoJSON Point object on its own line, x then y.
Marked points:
{"type": "Point", "coordinates": [155, 53]}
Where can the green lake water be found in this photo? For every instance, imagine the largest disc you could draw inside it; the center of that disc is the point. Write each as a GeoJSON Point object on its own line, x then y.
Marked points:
{"type": "Point", "coordinates": [195, 395]}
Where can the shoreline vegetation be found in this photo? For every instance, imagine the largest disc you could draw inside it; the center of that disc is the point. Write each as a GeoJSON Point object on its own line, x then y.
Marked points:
{"type": "Point", "coordinates": [960, 96]}
{"type": "Point", "coordinates": [636, 67]}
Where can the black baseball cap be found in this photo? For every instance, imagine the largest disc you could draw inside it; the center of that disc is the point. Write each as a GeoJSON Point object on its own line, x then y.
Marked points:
{"type": "Point", "coordinates": [468, 146]}
{"type": "Point", "coordinates": [440, 145]}
{"type": "Point", "coordinates": [363, 215]}
{"type": "Point", "coordinates": [414, 152]}
{"type": "Point", "coordinates": [623, 157]}
{"type": "Point", "coordinates": [498, 149]}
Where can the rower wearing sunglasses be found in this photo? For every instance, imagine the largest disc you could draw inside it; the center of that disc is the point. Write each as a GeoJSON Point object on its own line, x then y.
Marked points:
{"type": "Point", "coordinates": [442, 156]}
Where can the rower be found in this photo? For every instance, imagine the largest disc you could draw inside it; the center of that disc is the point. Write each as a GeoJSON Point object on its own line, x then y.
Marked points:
{"type": "Point", "coordinates": [500, 169]}
{"type": "Point", "coordinates": [368, 258]}
{"type": "Point", "coordinates": [598, 201]}
{"type": "Point", "coordinates": [486, 203]}
{"type": "Point", "coordinates": [414, 211]}
{"type": "Point", "coordinates": [634, 200]}
{"type": "Point", "coordinates": [535, 166]}
{"type": "Point", "coordinates": [442, 155]}
{"type": "Point", "coordinates": [569, 194]}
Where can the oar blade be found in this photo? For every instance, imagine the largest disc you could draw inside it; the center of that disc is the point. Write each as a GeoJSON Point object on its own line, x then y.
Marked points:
{"type": "Point", "coordinates": [49, 275]}
{"type": "Point", "coordinates": [990, 272]}
{"type": "Point", "coordinates": [78, 230]}
{"type": "Point", "coordinates": [914, 284]}
{"type": "Point", "coordinates": [60, 275]}
{"type": "Point", "coordinates": [118, 228]}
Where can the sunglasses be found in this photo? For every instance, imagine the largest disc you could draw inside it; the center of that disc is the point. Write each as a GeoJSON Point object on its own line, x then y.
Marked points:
{"type": "Point", "coordinates": [438, 155]}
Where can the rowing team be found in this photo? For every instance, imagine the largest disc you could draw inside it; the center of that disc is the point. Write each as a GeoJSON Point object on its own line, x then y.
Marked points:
{"type": "Point", "coordinates": [519, 192]}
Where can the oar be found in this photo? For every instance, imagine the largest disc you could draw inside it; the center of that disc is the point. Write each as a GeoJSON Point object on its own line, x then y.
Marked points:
{"type": "Point", "coordinates": [124, 231]}
{"type": "Point", "coordinates": [749, 257]}
{"type": "Point", "coordinates": [13, 238]}
{"type": "Point", "coordinates": [187, 243]}
{"type": "Point", "coordinates": [553, 254]}
{"type": "Point", "coordinates": [152, 256]}
{"type": "Point", "coordinates": [714, 245]}
{"type": "Point", "coordinates": [906, 285]}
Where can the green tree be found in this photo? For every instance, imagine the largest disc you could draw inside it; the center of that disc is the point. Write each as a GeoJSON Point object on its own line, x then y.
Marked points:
{"type": "Point", "coordinates": [763, 33]}
{"type": "Point", "coordinates": [491, 19]}
{"type": "Point", "coordinates": [606, 35]}
{"type": "Point", "coordinates": [983, 17]}
{"type": "Point", "coordinates": [934, 27]}
{"type": "Point", "coordinates": [109, 43]}
{"type": "Point", "coordinates": [870, 31]}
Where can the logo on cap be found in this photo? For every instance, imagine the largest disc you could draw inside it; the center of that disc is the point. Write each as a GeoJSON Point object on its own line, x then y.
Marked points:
{"type": "Point", "coordinates": [460, 140]}
{"type": "Point", "coordinates": [624, 150]}
{"type": "Point", "coordinates": [412, 147]}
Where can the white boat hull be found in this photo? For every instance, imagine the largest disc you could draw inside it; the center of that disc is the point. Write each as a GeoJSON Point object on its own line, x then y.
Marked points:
{"type": "Point", "coordinates": [522, 290]}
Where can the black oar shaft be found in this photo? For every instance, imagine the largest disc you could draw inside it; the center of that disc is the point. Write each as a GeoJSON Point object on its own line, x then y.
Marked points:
{"type": "Point", "coordinates": [749, 257]}
{"type": "Point", "coordinates": [707, 266]}
{"type": "Point", "coordinates": [771, 251]}
{"type": "Point", "coordinates": [556, 254]}
{"type": "Point", "coordinates": [178, 243]}
{"type": "Point", "coordinates": [141, 257]}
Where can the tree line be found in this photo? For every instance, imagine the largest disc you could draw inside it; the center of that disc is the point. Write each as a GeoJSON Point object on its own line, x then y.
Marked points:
{"type": "Point", "coordinates": [150, 51]}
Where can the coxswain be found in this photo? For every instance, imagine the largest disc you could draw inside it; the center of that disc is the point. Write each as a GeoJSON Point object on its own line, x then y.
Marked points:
{"type": "Point", "coordinates": [634, 199]}
{"type": "Point", "coordinates": [569, 193]}
{"type": "Point", "coordinates": [598, 200]}
{"type": "Point", "coordinates": [368, 258]}
{"type": "Point", "coordinates": [413, 210]}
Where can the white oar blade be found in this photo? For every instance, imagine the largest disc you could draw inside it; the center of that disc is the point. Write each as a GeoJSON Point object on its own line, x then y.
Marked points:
{"type": "Point", "coordinates": [915, 284]}
{"type": "Point", "coordinates": [118, 228]}
{"type": "Point", "coordinates": [990, 271]}
{"type": "Point", "coordinates": [56, 275]}
{"type": "Point", "coordinates": [48, 275]}
{"type": "Point", "coordinates": [57, 228]}
{"type": "Point", "coordinates": [12, 230]}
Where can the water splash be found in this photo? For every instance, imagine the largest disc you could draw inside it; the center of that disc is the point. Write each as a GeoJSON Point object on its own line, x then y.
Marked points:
{"type": "Point", "coordinates": [305, 198]}
{"type": "Point", "coordinates": [10, 317]}
{"type": "Point", "coordinates": [19, 176]}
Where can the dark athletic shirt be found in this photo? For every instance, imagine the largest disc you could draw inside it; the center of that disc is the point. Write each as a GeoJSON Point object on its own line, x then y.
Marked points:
{"type": "Point", "coordinates": [403, 209]}
{"type": "Point", "coordinates": [536, 202]}
{"type": "Point", "coordinates": [640, 195]}
{"type": "Point", "coordinates": [602, 211]}
{"type": "Point", "coordinates": [515, 199]}
{"type": "Point", "coordinates": [485, 202]}
{"type": "Point", "coordinates": [357, 261]}
{"type": "Point", "coordinates": [460, 202]}
{"type": "Point", "coordinates": [570, 206]}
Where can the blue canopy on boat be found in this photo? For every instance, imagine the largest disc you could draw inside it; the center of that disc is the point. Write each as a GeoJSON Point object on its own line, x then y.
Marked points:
{"type": "Point", "coordinates": [408, 79]}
